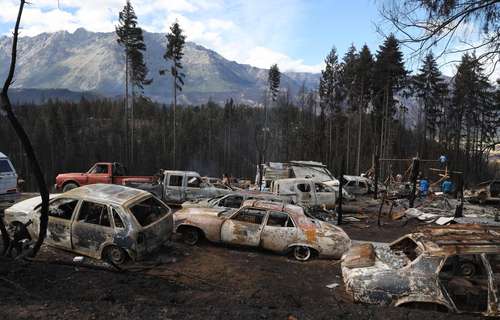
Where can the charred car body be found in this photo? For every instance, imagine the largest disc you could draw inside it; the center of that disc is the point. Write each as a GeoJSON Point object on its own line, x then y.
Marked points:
{"type": "Point", "coordinates": [484, 192]}
{"type": "Point", "coordinates": [456, 268]}
{"type": "Point", "coordinates": [8, 181]}
{"type": "Point", "coordinates": [100, 221]}
{"type": "Point", "coordinates": [176, 187]}
{"type": "Point", "coordinates": [277, 227]}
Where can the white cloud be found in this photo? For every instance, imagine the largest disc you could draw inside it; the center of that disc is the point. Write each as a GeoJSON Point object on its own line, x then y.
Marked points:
{"type": "Point", "coordinates": [264, 57]}
{"type": "Point", "coordinates": [240, 30]}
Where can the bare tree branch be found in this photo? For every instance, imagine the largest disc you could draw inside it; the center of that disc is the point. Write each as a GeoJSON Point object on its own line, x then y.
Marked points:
{"type": "Point", "coordinates": [427, 23]}
{"type": "Point", "coordinates": [26, 143]}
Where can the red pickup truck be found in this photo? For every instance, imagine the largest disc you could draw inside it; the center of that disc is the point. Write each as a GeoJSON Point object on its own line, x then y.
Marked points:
{"type": "Point", "coordinates": [101, 172]}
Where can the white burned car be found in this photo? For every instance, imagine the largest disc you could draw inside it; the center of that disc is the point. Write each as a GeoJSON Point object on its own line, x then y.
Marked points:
{"type": "Point", "coordinates": [277, 227]}
{"type": "Point", "coordinates": [454, 268]}
{"type": "Point", "coordinates": [8, 181]}
{"type": "Point", "coordinates": [102, 221]}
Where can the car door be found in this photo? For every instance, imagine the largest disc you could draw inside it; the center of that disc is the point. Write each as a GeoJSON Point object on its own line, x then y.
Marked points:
{"type": "Point", "coordinates": [244, 227]}
{"type": "Point", "coordinates": [324, 194]}
{"type": "Point", "coordinates": [193, 188]}
{"type": "Point", "coordinates": [99, 174]}
{"type": "Point", "coordinates": [174, 190]}
{"type": "Point", "coordinates": [279, 232]}
{"type": "Point", "coordinates": [304, 194]}
{"type": "Point", "coordinates": [465, 280]}
{"type": "Point", "coordinates": [91, 228]}
{"type": "Point", "coordinates": [61, 211]}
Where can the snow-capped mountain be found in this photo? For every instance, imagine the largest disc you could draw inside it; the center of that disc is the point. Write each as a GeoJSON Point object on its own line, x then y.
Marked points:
{"type": "Point", "coordinates": [85, 61]}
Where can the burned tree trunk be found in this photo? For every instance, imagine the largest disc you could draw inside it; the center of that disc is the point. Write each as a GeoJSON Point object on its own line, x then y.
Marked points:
{"type": "Point", "coordinates": [6, 108]}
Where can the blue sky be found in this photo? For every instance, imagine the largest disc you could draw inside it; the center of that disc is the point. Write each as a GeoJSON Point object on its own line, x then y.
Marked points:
{"type": "Point", "coordinates": [296, 34]}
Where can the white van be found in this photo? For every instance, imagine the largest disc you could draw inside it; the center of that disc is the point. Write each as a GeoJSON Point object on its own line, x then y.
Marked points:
{"type": "Point", "coordinates": [8, 180]}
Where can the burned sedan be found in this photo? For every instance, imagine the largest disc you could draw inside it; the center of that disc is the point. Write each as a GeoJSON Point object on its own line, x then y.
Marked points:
{"type": "Point", "coordinates": [456, 269]}
{"type": "Point", "coordinates": [277, 227]}
{"type": "Point", "coordinates": [102, 221]}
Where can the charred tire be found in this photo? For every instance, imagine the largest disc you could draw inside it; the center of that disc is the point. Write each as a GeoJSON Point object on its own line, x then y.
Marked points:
{"type": "Point", "coordinates": [190, 236]}
{"type": "Point", "coordinates": [302, 253]}
{"type": "Point", "coordinates": [69, 186]}
{"type": "Point", "coordinates": [115, 255]}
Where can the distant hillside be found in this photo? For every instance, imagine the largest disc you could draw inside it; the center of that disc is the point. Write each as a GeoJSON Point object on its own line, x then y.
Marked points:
{"type": "Point", "coordinates": [39, 96]}
{"type": "Point", "coordinates": [85, 61]}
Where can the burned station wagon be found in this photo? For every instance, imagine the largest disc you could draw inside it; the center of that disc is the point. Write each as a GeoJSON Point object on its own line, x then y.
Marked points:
{"type": "Point", "coordinates": [102, 221]}
{"type": "Point", "coordinates": [278, 227]}
{"type": "Point", "coordinates": [454, 268]}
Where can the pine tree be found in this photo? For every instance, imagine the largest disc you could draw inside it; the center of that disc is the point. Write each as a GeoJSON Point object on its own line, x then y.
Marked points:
{"type": "Point", "coordinates": [348, 80]}
{"type": "Point", "coordinates": [273, 81]}
{"type": "Point", "coordinates": [389, 77]}
{"type": "Point", "coordinates": [430, 88]}
{"type": "Point", "coordinates": [473, 116]}
{"type": "Point", "coordinates": [174, 53]}
{"type": "Point", "coordinates": [130, 37]}
{"type": "Point", "coordinates": [363, 79]}
{"type": "Point", "coordinates": [330, 93]}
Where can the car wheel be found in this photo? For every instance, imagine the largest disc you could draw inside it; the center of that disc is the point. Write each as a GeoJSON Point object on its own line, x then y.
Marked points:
{"type": "Point", "coordinates": [302, 253]}
{"type": "Point", "coordinates": [190, 236]}
{"type": "Point", "coordinates": [115, 255]}
{"type": "Point", "coordinates": [69, 186]}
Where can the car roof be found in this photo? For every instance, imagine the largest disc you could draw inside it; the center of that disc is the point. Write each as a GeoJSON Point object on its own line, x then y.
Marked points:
{"type": "Point", "coordinates": [307, 163]}
{"type": "Point", "coordinates": [360, 178]}
{"type": "Point", "coordinates": [179, 172]}
{"type": "Point", "coordinates": [113, 193]}
{"type": "Point", "coordinates": [459, 239]}
{"type": "Point", "coordinates": [297, 180]}
{"type": "Point", "coordinates": [274, 206]}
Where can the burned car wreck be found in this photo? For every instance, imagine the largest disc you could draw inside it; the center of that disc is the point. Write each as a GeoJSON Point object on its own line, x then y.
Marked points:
{"type": "Point", "coordinates": [102, 221]}
{"type": "Point", "coordinates": [454, 268]}
{"type": "Point", "coordinates": [273, 226]}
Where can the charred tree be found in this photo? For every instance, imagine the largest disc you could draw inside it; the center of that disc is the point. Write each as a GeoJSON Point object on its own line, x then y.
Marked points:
{"type": "Point", "coordinates": [6, 108]}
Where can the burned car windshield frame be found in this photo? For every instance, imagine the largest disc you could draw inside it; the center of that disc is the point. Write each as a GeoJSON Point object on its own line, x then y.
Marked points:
{"type": "Point", "coordinates": [412, 256]}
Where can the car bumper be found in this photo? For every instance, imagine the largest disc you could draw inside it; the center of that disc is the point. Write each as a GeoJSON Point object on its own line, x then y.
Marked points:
{"type": "Point", "coordinates": [9, 197]}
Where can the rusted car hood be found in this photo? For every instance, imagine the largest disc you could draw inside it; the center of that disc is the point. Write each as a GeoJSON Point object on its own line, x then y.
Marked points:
{"type": "Point", "coordinates": [22, 211]}
{"type": "Point", "coordinates": [28, 205]}
{"type": "Point", "coordinates": [208, 212]}
{"type": "Point", "coordinates": [198, 203]}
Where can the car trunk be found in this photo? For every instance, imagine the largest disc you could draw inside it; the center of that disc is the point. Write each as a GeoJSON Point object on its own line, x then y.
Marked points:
{"type": "Point", "coordinates": [156, 221]}
{"type": "Point", "coordinates": [158, 233]}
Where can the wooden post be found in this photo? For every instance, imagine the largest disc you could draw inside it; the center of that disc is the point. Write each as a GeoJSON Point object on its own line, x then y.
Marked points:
{"type": "Point", "coordinates": [341, 185]}
{"type": "Point", "coordinates": [375, 166]}
{"type": "Point", "coordinates": [414, 176]}
{"type": "Point", "coordinates": [460, 188]}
